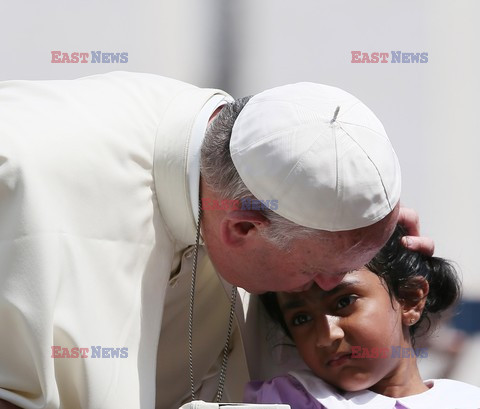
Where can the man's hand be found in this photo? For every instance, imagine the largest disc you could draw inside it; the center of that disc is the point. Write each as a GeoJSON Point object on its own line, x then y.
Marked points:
{"type": "Point", "coordinates": [409, 219]}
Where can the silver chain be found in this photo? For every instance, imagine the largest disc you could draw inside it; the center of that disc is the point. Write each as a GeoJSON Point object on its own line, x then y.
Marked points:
{"type": "Point", "coordinates": [233, 298]}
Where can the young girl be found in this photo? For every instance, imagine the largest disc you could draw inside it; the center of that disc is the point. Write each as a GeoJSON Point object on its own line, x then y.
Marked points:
{"type": "Point", "coordinates": [358, 339]}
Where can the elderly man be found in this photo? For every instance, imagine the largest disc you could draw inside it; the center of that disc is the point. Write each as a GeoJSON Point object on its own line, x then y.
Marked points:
{"type": "Point", "coordinates": [100, 188]}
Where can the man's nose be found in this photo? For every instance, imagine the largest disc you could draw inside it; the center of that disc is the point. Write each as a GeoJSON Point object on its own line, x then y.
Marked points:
{"type": "Point", "coordinates": [328, 281]}
{"type": "Point", "coordinates": [328, 331]}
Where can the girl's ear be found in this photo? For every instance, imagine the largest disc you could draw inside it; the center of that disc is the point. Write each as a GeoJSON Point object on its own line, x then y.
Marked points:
{"type": "Point", "coordinates": [413, 296]}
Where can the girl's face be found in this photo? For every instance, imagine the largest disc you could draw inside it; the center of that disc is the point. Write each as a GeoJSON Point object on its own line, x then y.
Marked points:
{"type": "Point", "coordinates": [328, 326]}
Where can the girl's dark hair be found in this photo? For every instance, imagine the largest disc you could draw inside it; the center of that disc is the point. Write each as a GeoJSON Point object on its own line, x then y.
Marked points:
{"type": "Point", "coordinates": [399, 267]}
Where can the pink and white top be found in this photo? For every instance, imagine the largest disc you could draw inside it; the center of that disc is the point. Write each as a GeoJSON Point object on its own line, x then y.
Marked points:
{"type": "Point", "coordinates": [303, 390]}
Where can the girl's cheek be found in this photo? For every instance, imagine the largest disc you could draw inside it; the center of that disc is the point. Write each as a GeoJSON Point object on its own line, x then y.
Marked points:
{"type": "Point", "coordinates": [297, 336]}
{"type": "Point", "coordinates": [304, 338]}
{"type": "Point", "coordinates": [364, 328]}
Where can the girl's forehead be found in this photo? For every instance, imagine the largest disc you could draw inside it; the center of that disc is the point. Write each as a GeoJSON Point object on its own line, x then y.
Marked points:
{"type": "Point", "coordinates": [361, 279]}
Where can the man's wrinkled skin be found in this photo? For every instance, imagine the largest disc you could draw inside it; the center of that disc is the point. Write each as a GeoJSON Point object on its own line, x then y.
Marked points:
{"type": "Point", "coordinates": [244, 257]}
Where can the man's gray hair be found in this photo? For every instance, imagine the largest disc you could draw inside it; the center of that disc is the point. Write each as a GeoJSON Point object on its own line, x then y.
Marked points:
{"type": "Point", "coordinates": [219, 173]}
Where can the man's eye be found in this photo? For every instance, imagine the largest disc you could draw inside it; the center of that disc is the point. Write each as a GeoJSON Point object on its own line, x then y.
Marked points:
{"type": "Point", "coordinates": [301, 319]}
{"type": "Point", "coordinates": [346, 301]}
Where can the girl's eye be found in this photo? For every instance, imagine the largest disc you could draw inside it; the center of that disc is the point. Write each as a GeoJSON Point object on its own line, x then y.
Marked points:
{"type": "Point", "coordinates": [346, 301]}
{"type": "Point", "coordinates": [300, 319]}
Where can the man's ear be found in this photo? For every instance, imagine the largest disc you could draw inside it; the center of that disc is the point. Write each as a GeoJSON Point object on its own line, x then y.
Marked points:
{"type": "Point", "coordinates": [240, 226]}
{"type": "Point", "coordinates": [413, 296]}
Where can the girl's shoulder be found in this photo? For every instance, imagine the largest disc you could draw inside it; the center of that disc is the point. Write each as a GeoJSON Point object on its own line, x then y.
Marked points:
{"type": "Point", "coordinates": [302, 389]}
{"type": "Point", "coordinates": [445, 393]}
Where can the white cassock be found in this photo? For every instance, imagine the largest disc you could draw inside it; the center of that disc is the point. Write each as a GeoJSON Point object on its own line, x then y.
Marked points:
{"type": "Point", "coordinates": [98, 179]}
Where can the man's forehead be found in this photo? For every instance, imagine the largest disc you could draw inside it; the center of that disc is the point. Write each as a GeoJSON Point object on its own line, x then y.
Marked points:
{"type": "Point", "coordinates": [338, 259]}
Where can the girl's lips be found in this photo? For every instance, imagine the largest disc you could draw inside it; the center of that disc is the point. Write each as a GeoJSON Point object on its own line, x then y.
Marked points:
{"type": "Point", "coordinates": [339, 359]}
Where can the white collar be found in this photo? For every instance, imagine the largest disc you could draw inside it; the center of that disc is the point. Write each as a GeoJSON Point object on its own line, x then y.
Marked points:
{"type": "Point", "coordinates": [171, 156]}
{"type": "Point", "coordinates": [198, 134]}
{"type": "Point", "coordinates": [331, 398]}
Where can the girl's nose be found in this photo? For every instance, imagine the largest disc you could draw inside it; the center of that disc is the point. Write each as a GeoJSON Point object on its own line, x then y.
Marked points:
{"type": "Point", "coordinates": [328, 331]}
